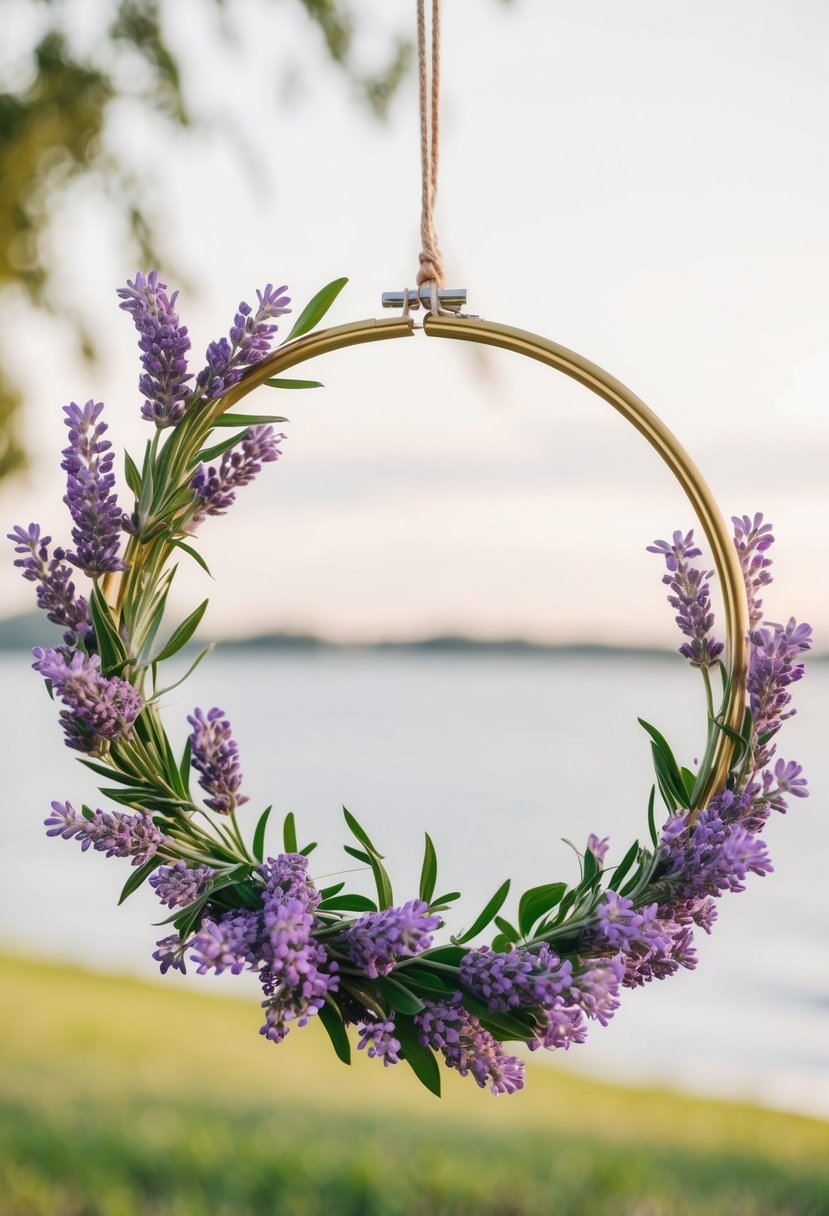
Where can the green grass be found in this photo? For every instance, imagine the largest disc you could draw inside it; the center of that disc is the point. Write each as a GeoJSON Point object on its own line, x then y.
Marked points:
{"type": "Point", "coordinates": [119, 1098]}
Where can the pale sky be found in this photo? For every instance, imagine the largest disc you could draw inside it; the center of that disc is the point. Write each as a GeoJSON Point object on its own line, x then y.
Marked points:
{"type": "Point", "coordinates": [646, 183]}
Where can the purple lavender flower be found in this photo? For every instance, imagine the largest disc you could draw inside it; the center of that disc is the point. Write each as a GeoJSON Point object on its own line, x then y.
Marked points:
{"type": "Point", "coordinates": [713, 856]}
{"type": "Point", "coordinates": [617, 921]}
{"type": "Point", "coordinates": [752, 538]}
{"type": "Point", "coordinates": [560, 1025]}
{"type": "Point", "coordinates": [89, 496]}
{"type": "Point", "coordinates": [772, 669]}
{"type": "Point", "coordinates": [596, 988]}
{"type": "Point", "coordinates": [672, 949]}
{"type": "Point", "coordinates": [447, 1027]}
{"type": "Point", "coordinates": [379, 1038]}
{"type": "Point", "coordinates": [164, 343]}
{"type": "Point", "coordinates": [55, 589]}
{"type": "Point", "coordinates": [112, 832]}
{"type": "Point", "coordinates": [298, 974]}
{"type": "Point", "coordinates": [250, 342]}
{"type": "Point", "coordinates": [177, 886]}
{"type": "Point", "coordinates": [228, 944]}
{"type": "Point", "coordinates": [215, 756]}
{"type": "Point", "coordinates": [97, 708]}
{"type": "Point", "coordinates": [515, 979]}
{"type": "Point", "coordinates": [377, 939]}
{"type": "Point", "coordinates": [286, 877]}
{"type": "Point", "coordinates": [170, 953]}
{"type": "Point", "coordinates": [216, 487]}
{"type": "Point", "coordinates": [598, 846]}
{"type": "Point", "coordinates": [690, 598]}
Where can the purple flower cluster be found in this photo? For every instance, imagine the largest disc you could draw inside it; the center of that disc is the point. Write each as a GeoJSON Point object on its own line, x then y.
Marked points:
{"type": "Point", "coordinates": [690, 597]}
{"type": "Point", "coordinates": [112, 832]}
{"type": "Point", "coordinates": [55, 589]}
{"type": "Point", "coordinates": [170, 954]}
{"type": "Point", "coordinates": [712, 856]}
{"type": "Point", "coordinates": [216, 486]}
{"type": "Point", "coordinates": [772, 670]}
{"type": "Point", "coordinates": [89, 496]}
{"type": "Point", "coordinates": [752, 539]}
{"type": "Point", "coordinates": [97, 708]}
{"type": "Point", "coordinates": [215, 756]}
{"type": "Point", "coordinates": [447, 1027]}
{"type": "Point", "coordinates": [164, 343]}
{"type": "Point", "coordinates": [375, 941]}
{"type": "Point", "coordinates": [179, 885]}
{"type": "Point", "coordinates": [249, 342]}
{"type": "Point", "coordinates": [295, 970]}
{"type": "Point", "coordinates": [378, 1038]}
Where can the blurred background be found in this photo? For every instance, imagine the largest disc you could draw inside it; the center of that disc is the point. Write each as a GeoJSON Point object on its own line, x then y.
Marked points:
{"type": "Point", "coordinates": [457, 620]}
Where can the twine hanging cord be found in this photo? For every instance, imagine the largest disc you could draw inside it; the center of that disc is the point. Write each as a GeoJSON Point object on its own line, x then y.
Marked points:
{"type": "Point", "coordinates": [431, 276]}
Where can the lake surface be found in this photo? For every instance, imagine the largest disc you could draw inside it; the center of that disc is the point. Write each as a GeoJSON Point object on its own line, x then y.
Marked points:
{"type": "Point", "coordinates": [498, 757]}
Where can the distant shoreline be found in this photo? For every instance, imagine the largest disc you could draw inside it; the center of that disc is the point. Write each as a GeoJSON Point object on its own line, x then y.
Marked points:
{"type": "Point", "coordinates": [29, 629]}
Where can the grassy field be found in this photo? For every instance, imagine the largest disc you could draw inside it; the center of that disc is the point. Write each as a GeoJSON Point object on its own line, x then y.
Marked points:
{"type": "Point", "coordinates": [119, 1098]}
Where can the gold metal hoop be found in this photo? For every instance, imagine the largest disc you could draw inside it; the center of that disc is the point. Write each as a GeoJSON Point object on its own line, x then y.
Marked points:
{"type": "Point", "coordinates": [473, 329]}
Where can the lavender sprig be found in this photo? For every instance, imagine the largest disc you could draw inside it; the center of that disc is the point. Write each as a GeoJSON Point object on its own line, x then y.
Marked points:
{"type": "Point", "coordinates": [215, 756]}
{"type": "Point", "coordinates": [97, 708]}
{"type": "Point", "coordinates": [164, 343]}
{"type": "Point", "coordinates": [249, 342]}
{"type": "Point", "coordinates": [690, 597]}
{"type": "Point", "coordinates": [90, 482]}
{"type": "Point", "coordinates": [216, 486]}
{"type": "Point", "coordinates": [55, 589]}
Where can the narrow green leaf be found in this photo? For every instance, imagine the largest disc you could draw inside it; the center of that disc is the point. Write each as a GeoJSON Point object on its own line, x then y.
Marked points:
{"type": "Point", "coordinates": [443, 901]}
{"type": "Point", "coordinates": [184, 767]}
{"type": "Point", "coordinates": [429, 871]}
{"type": "Point", "coordinates": [225, 420]}
{"type": "Point", "coordinates": [590, 868]}
{"type": "Point", "coordinates": [537, 902]}
{"type": "Point", "coordinates": [110, 646]}
{"type": "Point", "coordinates": [137, 878]}
{"type": "Point", "coordinates": [398, 995]}
{"type": "Point", "coordinates": [307, 849]}
{"type": "Point", "coordinates": [132, 475]}
{"type": "Point", "coordinates": [330, 1018]}
{"type": "Point", "coordinates": [316, 308]}
{"type": "Point", "coordinates": [218, 449]}
{"type": "Point", "coordinates": [624, 866]}
{"type": "Point", "coordinates": [289, 833]}
{"type": "Point", "coordinates": [347, 903]}
{"type": "Point", "coordinates": [278, 382]}
{"type": "Point", "coordinates": [451, 955]}
{"type": "Point", "coordinates": [385, 898]}
{"type": "Point", "coordinates": [689, 781]}
{"type": "Point", "coordinates": [501, 944]}
{"type": "Point", "coordinates": [420, 1059]}
{"type": "Point", "coordinates": [360, 833]}
{"type": "Point", "coordinates": [163, 691]}
{"type": "Point", "coordinates": [358, 853]}
{"type": "Point", "coordinates": [327, 892]}
{"type": "Point", "coordinates": [652, 817]}
{"type": "Point", "coordinates": [191, 552]}
{"type": "Point", "coordinates": [112, 774]}
{"type": "Point", "coordinates": [427, 981]}
{"type": "Point", "coordinates": [258, 846]}
{"type": "Point", "coordinates": [182, 635]}
{"type": "Point", "coordinates": [509, 931]}
{"type": "Point", "coordinates": [494, 906]}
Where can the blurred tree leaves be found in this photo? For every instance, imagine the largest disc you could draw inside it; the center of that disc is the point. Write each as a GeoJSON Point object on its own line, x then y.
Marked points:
{"type": "Point", "coordinates": [52, 117]}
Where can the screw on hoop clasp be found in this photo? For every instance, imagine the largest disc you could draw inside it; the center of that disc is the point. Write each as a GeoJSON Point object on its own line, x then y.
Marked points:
{"type": "Point", "coordinates": [442, 301]}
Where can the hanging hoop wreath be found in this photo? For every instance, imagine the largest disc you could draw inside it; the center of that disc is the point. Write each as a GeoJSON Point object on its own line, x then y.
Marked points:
{"type": "Point", "coordinates": [340, 955]}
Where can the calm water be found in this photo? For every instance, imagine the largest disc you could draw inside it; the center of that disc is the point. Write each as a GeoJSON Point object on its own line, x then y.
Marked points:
{"type": "Point", "coordinates": [497, 758]}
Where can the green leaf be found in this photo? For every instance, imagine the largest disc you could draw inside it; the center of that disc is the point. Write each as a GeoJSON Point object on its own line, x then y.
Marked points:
{"type": "Point", "coordinates": [218, 449]}
{"type": "Point", "coordinates": [184, 767]}
{"type": "Point", "coordinates": [112, 774]}
{"type": "Point", "coordinates": [110, 646]}
{"type": "Point", "coordinates": [451, 955]}
{"type": "Point", "coordinates": [280, 383]}
{"type": "Point", "coordinates": [191, 552]}
{"type": "Point", "coordinates": [289, 833]}
{"type": "Point", "coordinates": [494, 906]}
{"type": "Point", "coordinates": [398, 995]}
{"type": "Point", "coordinates": [420, 1059]}
{"type": "Point", "coordinates": [347, 903]}
{"type": "Point", "coordinates": [163, 691]}
{"type": "Point", "coordinates": [307, 849]}
{"type": "Point", "coordinates": [443, 901]}
{"type": "Point", "coordinates": [426, 981]}
{"type": "Point", "coordinates": [507, 930]}
{"type": "Point", "coordinates": [624, 866]}
{"type": "Point", "coordinates": [327, 892]}
{"type": "Point", "coordinates": [536, 902]}
{"type": "Point", "coordinates": [652, 817]}
{"type": "Point", "coordinates": [689, 781]}
{"type": "Point", "coordinates": [330, 1018]}
{"type": "Point", "coordinates": [258, 846]}
{"type": "Point", "coordinates": [504, 1025]}
{"type": "Point", "coordinates": [360, 833]}
{"type": "Point", "coordinates": [132, 475]}
{"type": "Point", "coordinates": [501, 944]}
{"type": "Point", "coordinates": [182, 635]}
{"type": "Point", "coordinates": [671, 785]}
{"type": "Point", "coordinates": [590, 868]}
{"type": "Point", "coordinates": [246, 420]}
{"type": "Point", "coordinates": [429, 871]}
{"type": "Point", "coordinates": [358, 853]}
{"type": "Point", "coordinates": [316, 308]}
{"type": "Point", "coordinates": [137, 878]}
